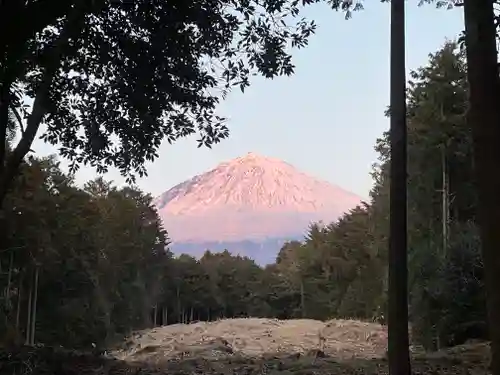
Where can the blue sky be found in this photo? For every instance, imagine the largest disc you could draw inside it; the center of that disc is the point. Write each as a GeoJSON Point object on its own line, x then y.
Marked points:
{"type": "Point", "coordinates": [325, 118]}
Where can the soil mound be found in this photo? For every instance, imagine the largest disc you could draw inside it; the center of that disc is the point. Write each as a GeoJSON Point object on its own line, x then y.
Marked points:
{"type": "Point", "coordinates": [252, 337]}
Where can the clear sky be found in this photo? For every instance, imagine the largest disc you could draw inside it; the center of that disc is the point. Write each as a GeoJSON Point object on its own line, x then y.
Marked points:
{"type": "Point", "coordinates": [325, 118]}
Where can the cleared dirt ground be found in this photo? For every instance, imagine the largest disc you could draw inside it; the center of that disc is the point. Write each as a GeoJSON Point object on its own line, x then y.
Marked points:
{"type": "Point", "coordinates": [249, 347]}
{"type": "Point", "coordinates": [269, 346]}
{"type": "Point", "coordinates": [255, 338]}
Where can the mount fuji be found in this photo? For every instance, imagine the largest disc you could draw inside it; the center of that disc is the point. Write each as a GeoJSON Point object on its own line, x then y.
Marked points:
{"type": "Point", "coordinates": [250, 206]}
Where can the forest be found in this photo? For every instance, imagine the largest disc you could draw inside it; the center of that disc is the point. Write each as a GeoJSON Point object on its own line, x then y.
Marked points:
{"type": "Point", "coordinates": [84, 266]}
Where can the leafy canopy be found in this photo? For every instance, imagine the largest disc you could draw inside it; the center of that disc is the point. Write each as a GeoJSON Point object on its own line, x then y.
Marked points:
{"type": "Point", "coordinates": [111, 80]}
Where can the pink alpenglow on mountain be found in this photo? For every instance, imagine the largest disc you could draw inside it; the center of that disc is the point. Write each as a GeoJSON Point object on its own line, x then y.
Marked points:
{"type": "Point", "coordinates": [250, 198]}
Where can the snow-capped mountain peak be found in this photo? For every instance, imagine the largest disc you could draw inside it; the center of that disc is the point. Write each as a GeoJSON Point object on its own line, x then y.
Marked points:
{"type": "Point", "coordinates": [250, 197]}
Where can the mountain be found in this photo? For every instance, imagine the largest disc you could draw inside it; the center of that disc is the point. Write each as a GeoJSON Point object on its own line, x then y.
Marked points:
{"type": "Point", "coordinates": [249, 204]}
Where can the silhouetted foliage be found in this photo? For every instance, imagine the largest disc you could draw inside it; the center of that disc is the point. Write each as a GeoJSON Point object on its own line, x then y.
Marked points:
{"type": "Point", "coordinates": [111, 80]}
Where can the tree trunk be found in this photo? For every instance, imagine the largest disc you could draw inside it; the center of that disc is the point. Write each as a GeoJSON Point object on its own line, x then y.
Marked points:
{"type": "Point", "coordinates": [302, 299]}
{"type": "Point", "coordinates": [9, 282]}
{"type": "Point", "coordinates": [398, 341]}
{"type": "Point", "coordinates": [191, 315]}
{"type": "Point", "coordinates": [484, 117]}
{"type": "Point", "coordinates": [33, 314]}
{"type": "Point", "coordinates": [19, 299]}
{"type": "Point", "coordinates": [155, 311]}
{"type": "Point", "coordinates": [28, 318]}
{"type": "Point", "coordinates": [445, 202]}
{"type": "Point", "coordinates": [179, 312]}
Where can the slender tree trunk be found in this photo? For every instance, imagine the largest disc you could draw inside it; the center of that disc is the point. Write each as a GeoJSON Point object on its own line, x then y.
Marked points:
{"type": "Point", "coordinates": [155, 311]}
{"type": "Point", "coordinates": [445, 202]}
{"type": "Point", "coordinates": [302, 299]}
{"type": "Point", "coordinates": [191, 315]}
{"type": "Point", "coordinates": [484, 117]}
{"type": "Point", "coordinates": [179, 312]}
{"type": "Point", "coordinates": [28, 318]}
{"type": "Point", "coordinates": [9, 281]}
{"type": "Point", "coordinates": [33, 314]}
{"type": "Point", "coordinates": [398, 343]}
{"type": "Point", "coordinates": [19, 299]}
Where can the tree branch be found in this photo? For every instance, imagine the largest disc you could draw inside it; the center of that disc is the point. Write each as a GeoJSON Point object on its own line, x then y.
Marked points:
{"type": "Point", "coordinates": [19, 119]}
{"type": "Point", "coordinates": [15, 159]}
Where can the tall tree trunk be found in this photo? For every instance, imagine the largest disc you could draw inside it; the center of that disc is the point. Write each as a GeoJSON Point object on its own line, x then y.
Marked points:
{"type": "Point", "coordinates": [484, 117]}
{"type": "Point", "coordinates": [179, 312]}
{"type": "Point", "coordinates": [19, 299]}
{"type": "Point", "coordinates": [28, 318]}
{"type": "Point", "coordinates": [398, 343]}
{"type": "Point", "coordinates": [9, 282]}
{"type": "Point", "coordinates": [444, 201]}
{"type": "Point", "coordinates": [155, 311]}
{"type": "Point", "coordinates": [33, 314]}
{"type": "Point", "coordinates": [302, 299]}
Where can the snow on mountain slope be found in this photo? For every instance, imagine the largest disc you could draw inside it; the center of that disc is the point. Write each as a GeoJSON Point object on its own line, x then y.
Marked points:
{"type": "Point", "coordinates": [250, 197]}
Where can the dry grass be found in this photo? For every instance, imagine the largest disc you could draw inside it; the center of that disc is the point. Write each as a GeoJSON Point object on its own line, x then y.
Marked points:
{"type": "Point", "coordinates": [256, 338]}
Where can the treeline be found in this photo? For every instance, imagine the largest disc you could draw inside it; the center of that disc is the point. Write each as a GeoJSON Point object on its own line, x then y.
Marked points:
{"type": "Point", "coordinates": [310, 279]}
{"type": "Point", "coordinates": [88, 265]}
{"type": "Point", "coordinates": [78, 266]}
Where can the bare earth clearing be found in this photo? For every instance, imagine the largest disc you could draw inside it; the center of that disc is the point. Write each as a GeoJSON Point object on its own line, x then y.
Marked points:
{"type": "Point", "coordinates": [249, 346]}
{"type": "Point", "coordinates": [255, 338]}
{"type": "Point", "coordinates": [270, 346]}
